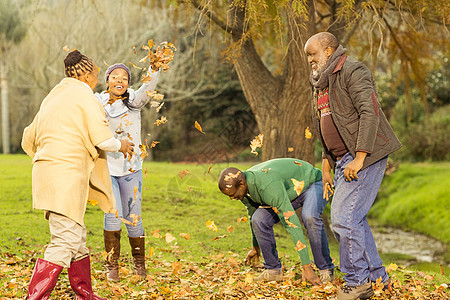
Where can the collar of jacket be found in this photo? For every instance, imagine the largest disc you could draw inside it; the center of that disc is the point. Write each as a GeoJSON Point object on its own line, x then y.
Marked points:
{"type": "Point", "coordinates": [340, 63]}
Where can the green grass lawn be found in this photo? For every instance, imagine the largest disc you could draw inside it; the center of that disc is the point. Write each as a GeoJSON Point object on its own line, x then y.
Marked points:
{"type": "Point", "coordinates": [417, 197]}
{"type": "Point", "coordinates": [171, 204]}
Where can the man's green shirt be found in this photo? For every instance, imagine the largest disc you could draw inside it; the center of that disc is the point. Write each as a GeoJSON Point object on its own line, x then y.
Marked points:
{"type": "Point", "coordinates": [270, 184]}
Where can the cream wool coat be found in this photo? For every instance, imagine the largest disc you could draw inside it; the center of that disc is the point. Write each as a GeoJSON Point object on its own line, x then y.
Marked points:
{"type": "Point", "coordinates": [67, 167]}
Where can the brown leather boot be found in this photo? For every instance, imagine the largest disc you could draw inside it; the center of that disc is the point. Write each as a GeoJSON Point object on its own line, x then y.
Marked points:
{"type": "Point", "coordinates": [112, 245]}
{"type": "Point", "coordinates": [138, 252]}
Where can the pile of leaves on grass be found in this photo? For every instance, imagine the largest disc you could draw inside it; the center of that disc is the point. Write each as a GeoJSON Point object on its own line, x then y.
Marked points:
{"type": "Point", "coordinates": [223, 276]}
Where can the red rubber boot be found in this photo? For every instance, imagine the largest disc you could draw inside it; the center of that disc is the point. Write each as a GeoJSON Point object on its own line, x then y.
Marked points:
{"type": "Point", "coordinates": [44, 278]}
{"type": "Point", "coordinates": [80, 279]}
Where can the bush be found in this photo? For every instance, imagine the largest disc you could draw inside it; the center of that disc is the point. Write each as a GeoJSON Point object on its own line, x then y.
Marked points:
{"type": "Point", "coordinates": [425, 140]}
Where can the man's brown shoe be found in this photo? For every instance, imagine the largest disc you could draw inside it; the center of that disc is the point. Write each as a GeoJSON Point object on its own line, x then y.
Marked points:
{"type": "Point", "coordinates": [270, 275]}
{"type": "Point", "coordinates": [364, 291]}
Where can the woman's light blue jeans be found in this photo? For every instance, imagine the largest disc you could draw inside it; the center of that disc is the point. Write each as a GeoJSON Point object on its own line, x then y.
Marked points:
{"type": "Point", "coordinates": [313, 204]}
{"type": "Point", "coordinates": [127, 202]}
{"type": "Point", "coordinates": [359, 257]}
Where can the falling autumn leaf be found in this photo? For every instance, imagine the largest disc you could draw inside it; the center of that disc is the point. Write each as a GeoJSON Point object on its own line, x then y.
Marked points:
{"type": "Point", "coordinates": [189, 188]}
{"type": "Point", "coordinates": [300, 246]}
{"type": "Point", "coordinates": [211, 225]}
{"type": "Point", "coordinates": [134, 49]}
{"type": "Point", "coordinates": [155, 95]}
{"type": "Point", "coordinates": [151, 251]}
{"type": "Point", "coordinates": [134, 66]}
{"type": "Point", "coordinates": [153, 144]}
{"type": "Point", "coordinates": [265, 170]}
{"type": "Point", "coordinates": [308, 133]}
{"type": "Point", "coordinates": [161, 121]}
{"type": "Point", "coordinates": [209, 169]}
{"type": "Point", "coordinates": [185, 236]}
{"type": "Point", "coordinates": [183, 173]}
{"type": "Point", "coordinates": [145, 172]}
{"type": "Point", "coordinates": [297, 163]}
{"type": "Point", "coordinates": [298, 185]}
{"type": "Point", "coordinates": [131, 170]}
{"type": "Point", "coordinates": [257, 142]}
{"type": "Point", "coordinates": [276, 210]}
{"type": "Point", "coordinates": [144, 152]}
{"type": "Point", "coordinates": [230, 228]}
{"type": "Point", "coordinates": [243, 219]}
{"type": "Point", "coordinates": [199, 127]}
{"type": "Point", "coordinates": [92, 202]}
{"type": "Point", "coordinates": [290, 149]}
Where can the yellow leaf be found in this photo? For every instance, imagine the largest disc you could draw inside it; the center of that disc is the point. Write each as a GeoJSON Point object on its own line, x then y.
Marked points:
{"type": "Point", "coordinates": [257, 142]}
{"type": "Point", "coordinates": [308, 133]}
{"type": "Point", "coordinates": [230, 228]}
{"type": "Point", "coordinates": [298, 185]}
{"type": "Point", "coordinates": [134, 66]}
{"type": "Point", "coordinates": [297, 163]}
{"type": "Point", "coordinates": [391, 267]}
{"type": "Point", "coordinates": [151, 251]}
{"type": "Point", "coordinates": [276, 210]}
{"type": "Point", "coordinates": [92, 202]}
{"type": "Point", "coordinates": [155, 234]}
{"type": "Point", "coordinates": [161, 121]}
{"type": "Point", "coordinates": [248, 278]}
{"type": "Point", "coordinates": [198, 127]}
{"type": "Point", "coordinates": [290, 149]}
{"type": "Point", "coordinates": [211, 225]}
{"type": "Point", "coordinates": [153, 144]}
{"type": "Point", "coordinates": [243, 219]}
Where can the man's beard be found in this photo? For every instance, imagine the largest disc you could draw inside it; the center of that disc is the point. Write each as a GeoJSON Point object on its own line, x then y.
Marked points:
{"type": "Point", "coordinates": [320, 64]}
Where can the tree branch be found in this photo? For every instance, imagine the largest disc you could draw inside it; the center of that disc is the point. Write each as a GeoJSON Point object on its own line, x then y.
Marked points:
{"type": "Point", "coordinates": [211, 15]}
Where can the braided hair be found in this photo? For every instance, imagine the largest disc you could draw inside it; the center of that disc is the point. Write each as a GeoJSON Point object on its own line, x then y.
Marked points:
{"type": "Point", "coordinates": [77, 64]}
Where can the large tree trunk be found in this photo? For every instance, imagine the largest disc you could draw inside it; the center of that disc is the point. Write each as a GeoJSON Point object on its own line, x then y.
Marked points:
{"type": "Point", "coordinates": [282, 105]}
{"type": "Point", "coordinates": [5, 109]}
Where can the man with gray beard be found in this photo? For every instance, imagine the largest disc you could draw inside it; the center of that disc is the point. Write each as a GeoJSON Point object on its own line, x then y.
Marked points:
{"type": "Point", "coordinates": [356, 139]}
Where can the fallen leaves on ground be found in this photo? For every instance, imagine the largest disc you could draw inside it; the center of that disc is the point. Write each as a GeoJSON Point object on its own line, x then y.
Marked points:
{"type": "Point", "coordinates": [223, 276]}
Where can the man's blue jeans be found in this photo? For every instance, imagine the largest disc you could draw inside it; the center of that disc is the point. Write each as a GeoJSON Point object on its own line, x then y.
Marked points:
{"type": "Point", "coordinates": [313, 204]}
{"type": "Point", "coordinates": [359, 257]}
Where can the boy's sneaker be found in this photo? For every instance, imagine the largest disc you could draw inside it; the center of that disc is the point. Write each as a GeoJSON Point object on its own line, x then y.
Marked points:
{"type": "Point", "coordinates": [364, 291]}
{"type": "Point", "coordinates": [270, 275]}
{"type": "Point", "coordinates": [326, 275]}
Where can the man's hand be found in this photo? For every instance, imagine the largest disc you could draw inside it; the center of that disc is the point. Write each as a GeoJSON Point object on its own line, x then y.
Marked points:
{"type": "Point", "coordinates": [309, 275]}
{"type": "Point", "coordinates": [126, 147]}
{"type": "Point", "coordinates": [253, 256]}
{"type": "Point", "coordinates": [327, 179]}
{"type": "Point", "coordinates": [353, 167]}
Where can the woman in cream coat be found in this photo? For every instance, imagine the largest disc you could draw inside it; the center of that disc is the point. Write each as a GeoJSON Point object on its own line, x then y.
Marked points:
{"type": "Point", "coordinates": [68, 169]}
